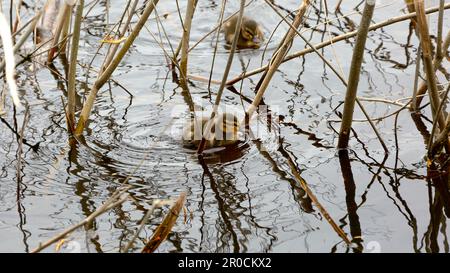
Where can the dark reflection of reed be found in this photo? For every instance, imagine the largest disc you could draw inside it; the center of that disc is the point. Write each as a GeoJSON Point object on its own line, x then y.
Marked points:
{"type": "Point", "coordinates": [82, 191]}
{"type": "Point", "coordinates": [421, 127]}
{"type": "Point", "coordinates": [350, 194]}
{"type": "Point", "coordinates": [439, 205]}
{"type": "Point", "coordinates": [83, 188]}
{"type": "Point", "coordinates": [437, 179]}
{"type": "Point", "coordinates": [20, 195]}
{"type": "Point", "coordinates": [298, 193]}
{"type": "Point", "coordinates": [232, 236]}
{"type": "Point", "coordinates": [402, 205]}
{"type": "Point", "coordinates": [225, 213]}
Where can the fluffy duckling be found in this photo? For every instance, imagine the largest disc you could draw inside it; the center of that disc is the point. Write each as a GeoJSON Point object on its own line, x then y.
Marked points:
{"type": "Point", "coordinates": [223, 132]}
{"type": "Point", "coordinates": [250, 36]}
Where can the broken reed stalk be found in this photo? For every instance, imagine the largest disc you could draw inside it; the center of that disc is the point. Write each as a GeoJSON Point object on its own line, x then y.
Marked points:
{"type": "Point", "coordinates": [117, 198]}
{"type": "Point", "coordinates": [105, 75]}
{"type": "Point", "coordinates": [278, 58]}
{"type": "Point", "coordinates": [336, 39]}
{"type": "Point", "coordinates": [425, 43]}
{"type": "Point", "coordinates": [210, 123]}
{"type": "Point", "coordinates": [62, 17]}
{"type": "Point", "coordinates": [155, 204]}
{"type": "Point", "coordinates": [187, 23]}
{"type": "Point", "coordinates": [163, 230]}
{"type": "Point", "coordinates": [355, 70]}
{"type": "Point", "coordinates": [73, 67]}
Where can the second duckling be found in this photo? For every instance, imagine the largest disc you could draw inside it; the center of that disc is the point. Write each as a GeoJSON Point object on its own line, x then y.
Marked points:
{"type": "Point", "coordinates": [223, 132]}
{"type": "Point", "coordinates": [250, 35]}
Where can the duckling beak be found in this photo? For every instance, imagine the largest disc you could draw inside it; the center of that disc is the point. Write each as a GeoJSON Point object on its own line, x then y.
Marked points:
{"type": "Point", "coordinates": [256, 40]}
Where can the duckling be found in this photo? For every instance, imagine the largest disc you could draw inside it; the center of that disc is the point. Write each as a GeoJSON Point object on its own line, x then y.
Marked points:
{"type": "Point", "coordinates": [224, 131]}
{"type": "Point", "coordinates": [250, 36]}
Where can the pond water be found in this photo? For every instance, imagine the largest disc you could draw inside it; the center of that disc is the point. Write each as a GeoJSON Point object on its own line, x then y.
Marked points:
{"type": "Point", "coordinates": [248, 199]}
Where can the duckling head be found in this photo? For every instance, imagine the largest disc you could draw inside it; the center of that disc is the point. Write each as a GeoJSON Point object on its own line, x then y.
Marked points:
{"type": "Point", "coordinates": [251, 33]}
{"type": "Point", "coordinates": [227, 128]}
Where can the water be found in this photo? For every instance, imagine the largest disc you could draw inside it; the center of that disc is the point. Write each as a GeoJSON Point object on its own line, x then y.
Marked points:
{"type": "Point", "coordinates": [248, 200]}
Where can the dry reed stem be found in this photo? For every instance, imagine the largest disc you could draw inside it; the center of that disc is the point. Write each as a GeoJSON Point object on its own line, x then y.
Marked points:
{"type": "Point", "coordinates": [425, 41]}
{"type": "Point", "coordinates": [17, 21]}
{"type": "Point", "coordinates": [415, 95]}
{"type": "Point", "coordinates": [155, 204]}
{"type": "Point", "coordinates": [62, 17]}
{"type": "Point", "coordinates": [65, 33]}
{"type": "Point", "coordinates": [441, 139]}
{"type": "Point", "coordinates": [163, 230]}
{"type": "Point", "coordinates": [184, 51]}
{"type": "Point", "coordinates": [354, 74]}
{"type": "Point", "coordinates": [433, 129]}
{"type": "Point", "coordinates": [103, 78]}
{"type": "Point", "coordinates": [73, 68]}
{"type": "Point", "coordinates": [216, 46]}
{"type": "Point", "coordinates": [436, 63]}
{"type": "Point", "coordinates": [440, 27]}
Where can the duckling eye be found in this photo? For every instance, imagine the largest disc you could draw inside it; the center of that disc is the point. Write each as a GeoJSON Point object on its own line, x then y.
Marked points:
{"type": "Point", "coordinates": [249, 33]}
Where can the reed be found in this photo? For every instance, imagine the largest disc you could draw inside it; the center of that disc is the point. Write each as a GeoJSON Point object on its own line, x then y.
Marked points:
{"type": "Point", "coordinates": [437, 61]}
{"type": "Point", "coordinates": [355, 71]}
{"type": "Point", "coordinates": [71, 86]}
{"type": "Point", "coordinates": [187, 23]}
{"type": "Point", "coordinates": [63, 16]}
{"type": "Point", "coordinates": [442, 139]}
{"type": "Point", "coordinates": [440, 26]}
{"type": "Point", "coordinates": [427, 58]}
{"type": "Point", "coordinates": [65, 34]}
{"type": "Point", "coordinates": [155, 204]}
{"type": "Point", "coordinates": [163, 230]}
